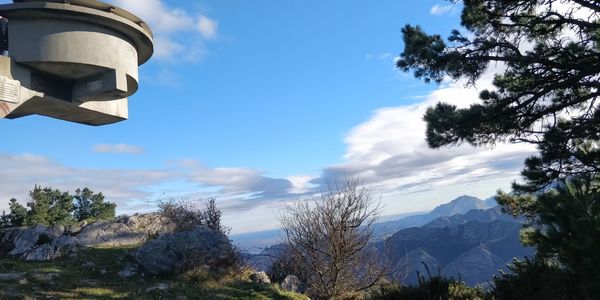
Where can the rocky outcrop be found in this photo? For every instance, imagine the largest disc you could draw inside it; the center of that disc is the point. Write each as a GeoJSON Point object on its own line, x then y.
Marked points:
{"type": "Point", "coordinates": [171, 252]}
{"type": "Point", "coordinates": [123, 231]}
{"type": "Point", "coordinates": [37, 243]}
{"type": "Point", "coordinates": [42, 243]}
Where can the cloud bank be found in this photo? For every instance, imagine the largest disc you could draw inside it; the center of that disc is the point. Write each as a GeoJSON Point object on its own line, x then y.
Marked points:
{"type": "Point", "coordinates": [178, 34]}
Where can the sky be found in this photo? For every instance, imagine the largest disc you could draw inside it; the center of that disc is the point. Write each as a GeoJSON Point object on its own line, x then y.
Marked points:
{"type": "Point", "coordinates": [260, 103]}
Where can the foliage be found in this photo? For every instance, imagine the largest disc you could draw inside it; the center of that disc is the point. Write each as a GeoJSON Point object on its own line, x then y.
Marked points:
{"type": "Point", "coordinates": [328, 239]}
{"type": "Point", "coordinates": [187, 215]}
{"type": "Point", "coordinates": [432, 288]}
{"type": "Point", "coordinates": [47, 206]}
{"type": "Point", "coordinates": [547, 94]}
{"type": "Point", "coordinates": [564, 225]}
{"type": "Point", "coordinates": [91, 207]}
{"type": "Point", "coordinates": [281, 266]}
{"type": "Point", "coordinates": [16, 217]}
{"type": "Point", "coordinates": [535, 279]}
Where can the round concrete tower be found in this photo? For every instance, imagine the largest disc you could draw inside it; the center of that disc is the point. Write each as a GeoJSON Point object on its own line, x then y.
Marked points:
{"type": "Point", "coordinates": [75, 60]}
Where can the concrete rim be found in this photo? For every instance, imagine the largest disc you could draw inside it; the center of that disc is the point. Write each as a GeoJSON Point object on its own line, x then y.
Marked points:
{"type": "Point", "coordinates": [90, 11]}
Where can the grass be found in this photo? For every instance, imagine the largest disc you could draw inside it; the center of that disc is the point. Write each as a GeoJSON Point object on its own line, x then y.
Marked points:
{"type": "Point", "coordinates": [92, 274]}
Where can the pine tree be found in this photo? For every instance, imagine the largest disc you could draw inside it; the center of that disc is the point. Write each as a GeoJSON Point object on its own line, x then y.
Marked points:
{"type": "Point", "coordinates": [91, 207]}
{"type": "Point", "coordinates": [547, 95]}
{"type": "Point", "coordinates": [102, 210]}
{"type": "Point", "coordinates": [61, 208]}
{"type": "Point", "coordinates": [39, 207]}
{"type": "Point", "coordinates": [17, 215]}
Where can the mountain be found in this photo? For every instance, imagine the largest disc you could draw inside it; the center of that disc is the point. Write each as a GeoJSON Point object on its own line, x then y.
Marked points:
{"type": "Point", "coordinates": [475, 266]}
{"type": "Point", "coordinates": [254, 242]}
{"type": "Point", "coordinates": [485, 216]}
{"type": "Point", "coordinates": [472, 250]}
{"type": "Point", "coordinates": [460, 205]}
{"type": "Point", "coordinates": [491, 202]}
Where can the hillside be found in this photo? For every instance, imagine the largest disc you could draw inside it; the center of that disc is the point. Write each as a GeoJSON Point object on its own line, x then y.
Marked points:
{"type": "Point", "coordinates": [101, 274]}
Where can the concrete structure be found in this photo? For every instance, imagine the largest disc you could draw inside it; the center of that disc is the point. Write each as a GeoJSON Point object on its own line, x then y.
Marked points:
{"type": "Point", "coordinates": [72, 60]}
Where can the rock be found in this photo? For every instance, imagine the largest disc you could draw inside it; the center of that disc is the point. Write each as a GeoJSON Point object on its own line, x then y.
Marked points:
{"type": "Point", "coordinates": [47, 277]}
{"type": "Point", "coordinates": [124, 231]}
{"type": "Point", "coordinates": [42, 243]}
{"type": "Point", "coordinates": [292, 283]}
{"type": "Point", "coordinates": [103, 271]}
{"type": "Point", "coordinates": [4, 277]}
{"type": "Point", "coordinates": [76, 228]}
{"type": "Point", "coordinates": [167, 254]}
{"type": "Point", "coordinates": [128, 271]}
{"type": "Point", "coordinates": [159, 287]}
{"type": "Point", "coordinates": [260, 277]}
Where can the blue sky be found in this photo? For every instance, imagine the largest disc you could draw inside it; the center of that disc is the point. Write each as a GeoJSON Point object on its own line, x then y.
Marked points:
{"type": "Point", "coordinates": [260, 102]}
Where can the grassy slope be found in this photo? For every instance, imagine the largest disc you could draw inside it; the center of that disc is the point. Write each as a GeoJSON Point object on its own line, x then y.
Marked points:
{"type": "Point", "coordinates": [76, 278]}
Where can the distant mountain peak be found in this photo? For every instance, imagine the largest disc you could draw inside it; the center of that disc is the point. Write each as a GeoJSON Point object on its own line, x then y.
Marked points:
{"type": "Point", "coordinates": [459, 205]}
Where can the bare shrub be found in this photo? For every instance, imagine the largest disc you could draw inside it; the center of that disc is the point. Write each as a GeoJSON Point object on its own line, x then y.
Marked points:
{"type": "Point", "coordinates": [192, 214]}
{"type": "Point", "coordinates": [329, 241]}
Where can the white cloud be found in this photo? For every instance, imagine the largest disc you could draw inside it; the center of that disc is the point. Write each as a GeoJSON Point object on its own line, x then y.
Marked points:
{"type": "Point", "coordinates": [438, 10]}
{"type": "Point", "coordinates": [118, 148]}
{"type": "Point", "coordinates": [207, 27]}
{"type": "Point", "coordinates": [176, 31]}
{"type": "Point", "coordinates": [390, 153]}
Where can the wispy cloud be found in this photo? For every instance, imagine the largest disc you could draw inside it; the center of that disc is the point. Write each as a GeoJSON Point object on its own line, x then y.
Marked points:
{"type": "Point", "coordinates": [438, 10]}
{"type": "Point", "coordinates": [207, 27]}
{"type": "Point", "coordinates": [127, 187]}
{"type": "Point", "coordinates": [118, 148]}
{"type": "Point", "coordinates": [179, 34]}
{"type": "Point", "coordinates": [390, 153]}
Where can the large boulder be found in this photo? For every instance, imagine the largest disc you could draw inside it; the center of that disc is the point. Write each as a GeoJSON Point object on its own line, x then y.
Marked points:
{"type": "Point", "coordinates": [40, 243]}
{"type": "Point", "coordinates": [170, 252]}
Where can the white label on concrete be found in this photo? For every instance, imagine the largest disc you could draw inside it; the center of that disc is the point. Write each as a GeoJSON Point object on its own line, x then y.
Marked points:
{"type": "Point", "coordinates": [9, 90]}
{"type": "Point", "coordinates": [94, 86]}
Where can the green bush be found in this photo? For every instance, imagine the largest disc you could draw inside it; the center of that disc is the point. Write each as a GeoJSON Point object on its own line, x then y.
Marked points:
{"type": "Point", "coordinates": [434, 288]}
{"type": "Point", "coordinates": [536, 279]}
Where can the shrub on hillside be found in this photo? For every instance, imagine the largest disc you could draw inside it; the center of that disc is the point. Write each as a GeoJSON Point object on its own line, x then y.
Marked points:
{"type": "Point", "coordinates": [433, 288]}
{"type": "Point", "coordinates": [188, 214]}
{"type": "Point", "coordinates": [329, 238]}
